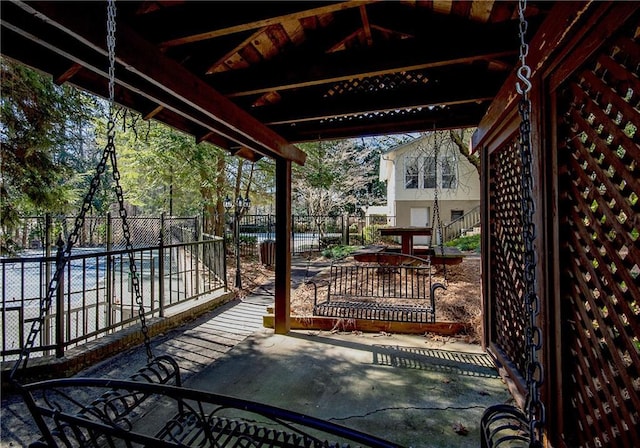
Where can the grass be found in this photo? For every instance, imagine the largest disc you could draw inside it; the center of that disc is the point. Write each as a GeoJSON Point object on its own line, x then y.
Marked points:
{"type": "Point", "coordinates": [466, 243]}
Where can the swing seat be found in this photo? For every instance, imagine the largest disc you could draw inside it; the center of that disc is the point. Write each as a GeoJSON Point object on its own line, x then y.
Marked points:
{"type": "Point", "coordinates": [173, 416]}
{"type": "Point", "coordinates": [504, 426]}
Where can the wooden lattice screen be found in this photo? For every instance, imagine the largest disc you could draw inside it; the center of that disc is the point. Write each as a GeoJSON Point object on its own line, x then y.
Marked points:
{"type": "Point", "coordinates": [586, 155]}
{"type": "Point", "coordinates": [508, 318]}
{"type": "Point", "coordinates": [599, 222]}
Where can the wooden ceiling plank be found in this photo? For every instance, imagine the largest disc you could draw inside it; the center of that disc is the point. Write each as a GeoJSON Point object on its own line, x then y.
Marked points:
{"type": "Point", "coordinates": [265, 46]}
{"type": "Point", "coordinates": [147, 62]}
{"type": "Point", "coordinates": [442, 6]}
{"type": "Point", "coordinates": [461, 7]}
{"type": "Point", "coordinates": [481, 11]}
{"type": "Point", "coordinates": [340, 6]}
{"type": "Point", "coordinates": [294, 30]}
{"type": "Point", "coordinates": [230, 59]}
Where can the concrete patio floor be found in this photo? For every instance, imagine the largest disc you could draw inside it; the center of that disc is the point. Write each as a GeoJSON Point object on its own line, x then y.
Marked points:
{"type": "Point", "coordinates": [407, 389]}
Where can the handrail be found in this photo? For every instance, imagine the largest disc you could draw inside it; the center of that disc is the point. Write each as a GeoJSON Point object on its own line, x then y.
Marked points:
{"type": "Point", "coordinates": [463, 224]}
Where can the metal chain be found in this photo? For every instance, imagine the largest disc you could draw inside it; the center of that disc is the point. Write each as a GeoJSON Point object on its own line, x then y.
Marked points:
{"type": "Point", "coordinates": [111, 52]}
{"type": "Point", "coordinates": [535, 409]}
{"type": "Point", "coordinates": [111, 148]}
{"type": "Point", "coordinates": [109, 153]}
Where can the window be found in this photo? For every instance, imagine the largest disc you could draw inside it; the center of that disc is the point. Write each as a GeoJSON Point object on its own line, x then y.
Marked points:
{"type": "Point", "coordinates": [411, 171]}
{"type": "Point", "coordinates": [430, 172]}
{"type": "Point", "coordinates": [456, 214]}
{"type": "Point", "coordinates": [449, 173]}
{"type": "Point", "coordinates": [423, 172]}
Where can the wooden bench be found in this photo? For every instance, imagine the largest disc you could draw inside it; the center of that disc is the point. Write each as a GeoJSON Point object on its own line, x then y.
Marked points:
{"type": "Point", "coordinates": [388, 287]}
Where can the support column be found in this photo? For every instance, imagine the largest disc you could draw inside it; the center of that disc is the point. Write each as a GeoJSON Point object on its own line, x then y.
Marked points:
{"type": "Point", "coordinates": [282, 306]}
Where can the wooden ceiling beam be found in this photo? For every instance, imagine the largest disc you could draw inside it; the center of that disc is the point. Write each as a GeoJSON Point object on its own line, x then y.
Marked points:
{"type": "Point", "coordinates": [152, 113]}
{"type": "Point", "coordinates": [27, 52]}
{"type": "Point", "coordinates": [438, 94]}
{"type": "Point", "coordinates": [366, 26]}
{"type": "Point", "coordinates": [463, 116]}
{"type": "Point", "coordinates": [146, 62]}
{"type": "Point", "coordinates": [266, 21]}
{"type": "Point", "coordinates": [94, 78]}
{"type": "Point", "coordinates": [337, 67]}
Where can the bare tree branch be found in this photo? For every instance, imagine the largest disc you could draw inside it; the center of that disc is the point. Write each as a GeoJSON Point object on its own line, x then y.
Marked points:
{"type": "Point", "coordinates": [457, 136]}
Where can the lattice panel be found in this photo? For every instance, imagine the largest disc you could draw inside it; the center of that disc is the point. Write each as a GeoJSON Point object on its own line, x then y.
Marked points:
{"type": "Point", "coordinates": [599, 179]}
{"type": "Point", "coordinates": [376, 84]}
{"type": "Point", "coordinates": [507, 256]}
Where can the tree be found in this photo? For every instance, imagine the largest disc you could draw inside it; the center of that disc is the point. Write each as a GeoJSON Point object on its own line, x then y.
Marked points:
{"type": "Point", "coordinates": [459, 137]}
{"type": "Point", "coordinates": [333, 174]}
{"type": "Point", "coordinates": [42, 128]}
{"type": "Point", "coordinates": [164, 170]}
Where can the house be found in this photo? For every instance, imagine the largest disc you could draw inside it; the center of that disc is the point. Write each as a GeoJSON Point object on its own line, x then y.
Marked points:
{"type": "Point", "coordinates": [414, 177]}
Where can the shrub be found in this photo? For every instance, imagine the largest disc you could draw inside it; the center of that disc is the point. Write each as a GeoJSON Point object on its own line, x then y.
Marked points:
{"type": "Point", "coordinates": [248, 240]}
{"type": "Point", "coordinates": [466, 243]}
{"type": "Point", "coordinates": [340, 251]}
{"type": "Point", "coordinates": [329, 241]}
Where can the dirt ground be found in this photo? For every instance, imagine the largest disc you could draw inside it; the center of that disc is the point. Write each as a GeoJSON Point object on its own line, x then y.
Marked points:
{"type": "Point", "coordinates": [459, 303]}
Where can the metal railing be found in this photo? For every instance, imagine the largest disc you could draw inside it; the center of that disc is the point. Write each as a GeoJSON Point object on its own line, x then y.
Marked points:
{"type": "Point", "coordinates": [95, 296]}
{"type": "Point", "coordinates": [460, 226]}
{"type": "Point", "coordinates": [309, 233]}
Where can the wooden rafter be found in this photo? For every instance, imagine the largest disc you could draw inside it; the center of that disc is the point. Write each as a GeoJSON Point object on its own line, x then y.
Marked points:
{"type": "Point", "coordinates": [67, 74]}
{"type": "Point", "coordinates": [455, 116]}
{"type": "Point", "coordinates": [240, 27]}
{"type": "Point", "coordinates": [156, 70]}
{"type": "Point", "coordinates": [365, 25]}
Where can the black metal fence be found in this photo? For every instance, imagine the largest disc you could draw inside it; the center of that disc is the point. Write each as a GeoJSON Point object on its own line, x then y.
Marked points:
{"type": "Point", "coordinates": [38, 234]}
{"type": "Point", "coordinates": [95, 296]}
{"type": "Point", "coordinates": [175, 263]}
{"type": "Point", "coordinates": [308, 233]}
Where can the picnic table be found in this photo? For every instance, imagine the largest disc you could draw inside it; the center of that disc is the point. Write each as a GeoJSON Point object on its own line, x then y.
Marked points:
{"type": "Point", "coordinates": [406, 234]}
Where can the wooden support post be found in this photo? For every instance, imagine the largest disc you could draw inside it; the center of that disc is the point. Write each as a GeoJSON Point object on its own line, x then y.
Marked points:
{"type": "Point", "coordinates": [283, 247]}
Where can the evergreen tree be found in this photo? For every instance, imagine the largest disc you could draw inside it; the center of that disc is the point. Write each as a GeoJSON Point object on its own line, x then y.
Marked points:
{"type": "Point", "coordinates": [39, 143]}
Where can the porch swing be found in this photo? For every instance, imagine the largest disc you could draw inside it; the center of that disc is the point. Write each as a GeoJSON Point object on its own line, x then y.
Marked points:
{"type": "Point", "coordinates": [152, 408]}
{"type": "Point", "coordinates": [506, 425]}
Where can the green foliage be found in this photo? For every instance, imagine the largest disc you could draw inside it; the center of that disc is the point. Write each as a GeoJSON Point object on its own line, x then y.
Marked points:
{"type": "Point", "coordinates": [164, 170]}
{"type": "Point", "coordinates": [340, 251]}
{"type": "Point", "coordinates": [248, 240]}
{"type": "Point", "coordinates": [466, 243]}
{"type": "Point", "coordinates": [41, 133]}
{"type": "Point", "coordinates": [330, 241]}
{"type": "Point", "coordinates": [370, 233]}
